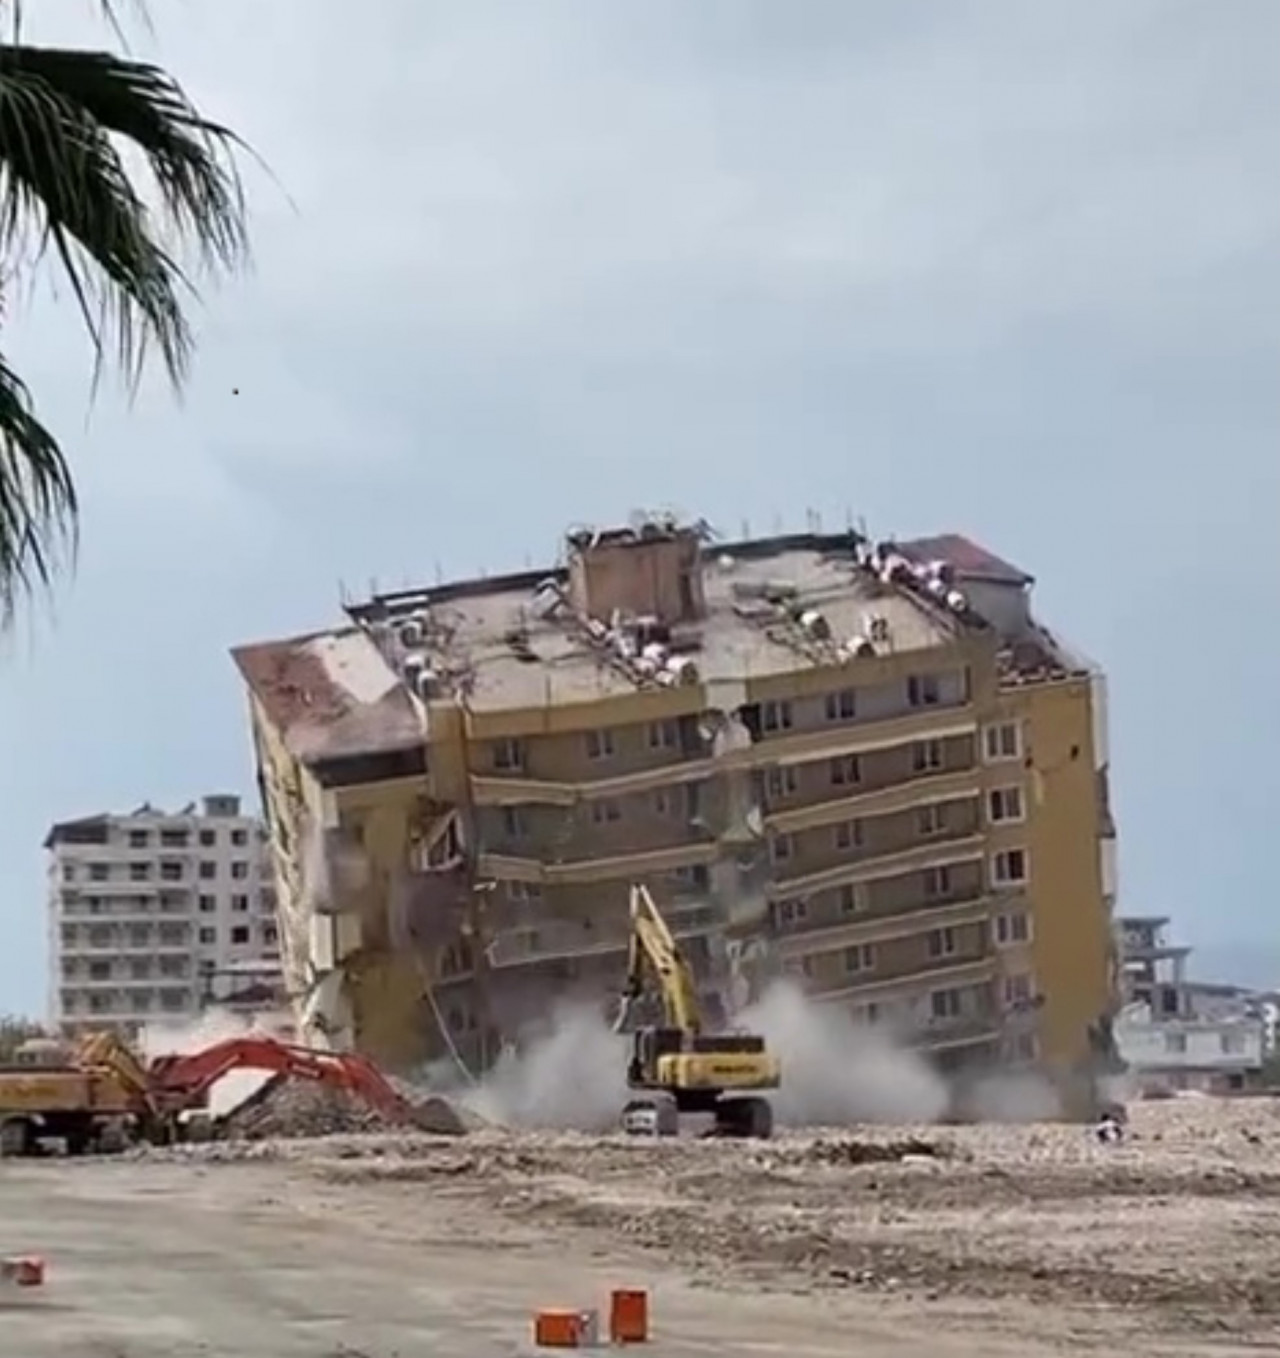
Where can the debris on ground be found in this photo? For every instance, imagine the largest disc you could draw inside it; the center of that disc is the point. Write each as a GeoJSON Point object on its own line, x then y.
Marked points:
{"type": "Point", "coordinates": [289, 1108]}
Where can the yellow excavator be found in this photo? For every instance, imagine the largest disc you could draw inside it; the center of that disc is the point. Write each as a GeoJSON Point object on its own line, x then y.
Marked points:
{"type": "Point", "coordinates": [676, 1068]}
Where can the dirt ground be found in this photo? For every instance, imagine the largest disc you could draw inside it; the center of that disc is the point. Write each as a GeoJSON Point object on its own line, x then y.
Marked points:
{"type": "Point", "coordinates": [880, 1242]}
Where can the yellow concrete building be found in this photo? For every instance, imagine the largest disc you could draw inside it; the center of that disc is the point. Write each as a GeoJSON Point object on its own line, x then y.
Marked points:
{"type": "Point", "coordinates": [866, 765]}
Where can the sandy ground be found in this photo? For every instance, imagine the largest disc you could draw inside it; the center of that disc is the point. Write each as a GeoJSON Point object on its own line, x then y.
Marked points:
{"type": "Point", "coordinates": [991, 1241]}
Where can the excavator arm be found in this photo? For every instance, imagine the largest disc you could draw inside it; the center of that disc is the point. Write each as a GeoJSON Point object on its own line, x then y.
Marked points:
{"type": "Point", "coordinates": [654, 958]}
{"type": "Point", "coordinates": [181, 1082]}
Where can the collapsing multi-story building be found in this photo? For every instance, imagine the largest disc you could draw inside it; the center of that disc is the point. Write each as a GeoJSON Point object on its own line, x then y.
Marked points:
{"type": "Point", "coordinates": [864, 765]}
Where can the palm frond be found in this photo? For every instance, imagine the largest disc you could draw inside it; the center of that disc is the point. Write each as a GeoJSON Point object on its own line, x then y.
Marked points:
{"type": "Point", "coordinates": [63, 115]}
{"type": "Point", "coordinates": [37, 497]}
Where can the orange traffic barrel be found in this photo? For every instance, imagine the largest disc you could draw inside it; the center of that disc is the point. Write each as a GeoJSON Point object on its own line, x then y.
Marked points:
{"type": "Point", "coordinates": [628, 1316]}
{"type": "Point", "coordinates": [562, 1329]}
{"type": "Point", "coordinates": [25, 1271]}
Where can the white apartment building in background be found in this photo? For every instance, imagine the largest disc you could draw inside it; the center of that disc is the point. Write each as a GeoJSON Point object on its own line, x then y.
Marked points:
{"type": "Point", "coordinates": [154, 916]}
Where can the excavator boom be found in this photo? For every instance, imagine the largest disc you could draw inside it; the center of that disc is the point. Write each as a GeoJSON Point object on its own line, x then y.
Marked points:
{"type": "Point", "coordinates": [182, 1082]}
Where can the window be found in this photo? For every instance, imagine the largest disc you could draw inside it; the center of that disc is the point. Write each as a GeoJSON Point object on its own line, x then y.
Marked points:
{"type": "Point", "coordinates": [173, 999]}
{"type": "Point", "coordinates": [931, 820]}
{"type": "Point", "coordinates": [781, 848]}
{"type": "Point", "coordinates": [1012, 929]}
{"type": "Point", "coordinates": [664, 735]}
{"type": "Point", "coordinates": [1009, 867]}
{"type": "Point", "coordinates": [170, 872]}
{"type": "Point", "coordinates": [208, 870]}
{"type": "Point", "coordinates": [851, 899]}
{"type": "Point", "coordinates": [174, 839]}
{"type": "Point", "coordinates": [139, 839]}
{"type": "Point", "coordinates": [599, 744]}
{"type": "Point", "coordinates": [522, 893]}
{"type": "Point", "coordinates": [239, 838]}
{"type": "Point", "coordinates": [926, 756]}
{"type": "Point", "coordinates": [694, 876]}
{"type": "Point", "coordinates": [139, 935]}
{"type": "Point", "coordinates": [937, 882]}
{"type": "Point", "coordinates": [791, 913]}
{"type": "Point", "coordinates": [1232, 1044]}
{"type": "Point", "coordinates": [270, 935]}
{"type": "Point", "coordinates": [861, 957]}
{"type": "Point", "coordinates": [846, 771]}
{"type": "Point", "coordinates": [781, 781]}
{"type": "Point", "coordinates": [1024, 1047]}
{"type": "Point", "coordinates": [240, 870]}
{"type": "Point", "coordinates": [174, 966]}
{"type": "Point", "coordinates": [776, 716]}
{"type": "Point", "coordinates": [663, 803]}
{"type": "Point", "coordinates": [139, 872]}
{"type": "Point", "coordinates": [1175, 1043]}
{"type": "Point", "coordinates": [868, 1014]}
{"type": "Point", "coordinates": [68, 872]}
{"type": "Point", "coordinates": [513, 822]}
{"type": "Point", "coordinates": [606, 811]}
{"type": "Point", "coordinates": [208, 838]}
{"type": "Point", "coordinates": [942, 943]}
{"type": "Point", "coordinates": [99, 971]}
{"type": "Point", "coordinates": [1004, 805]}
{"type": "Point", "coordinates": [240, 933]}
{"type": "Point", "coordinates": [1002, 742]}
{"type": "Point", "coordinates": [99, 872]}
{"type": "Point", "coordinates": [945, 1004]}
{"type": "Point", "coordinates": [922, 690]}
{"type": "Point", "coordinates": [240, 904]}
{"type": "Point", "coordinates": [508, 755]}
{"type": "Point", "coordinates": [208, 904]}
{"type": "Point", "coordinates": [1019, 991]}
{"type": "Point", "coordinates": [842, 705]}
{"type": "Point", "coordinates": [848, 834]}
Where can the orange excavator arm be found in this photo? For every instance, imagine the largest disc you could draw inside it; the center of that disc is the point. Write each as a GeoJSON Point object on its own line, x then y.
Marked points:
{"type": "Point", "coordinates": [180, 1082]}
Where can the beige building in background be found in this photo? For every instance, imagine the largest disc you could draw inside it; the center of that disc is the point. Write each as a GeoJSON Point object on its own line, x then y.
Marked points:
{"type": "Point", "coordinates": [864, 765]}
{"type": "Point", "coordinates": [155, 916]}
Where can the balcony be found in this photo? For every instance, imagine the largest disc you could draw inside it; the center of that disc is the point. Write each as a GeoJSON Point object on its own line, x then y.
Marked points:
{"type": "Point", "coordinates": [934, 854]}
{"type": "Point", "coordinates": [798, 940]}
{"type": "Point", "coordinates": [635, 863]}
{"type": "Point", "coordinates": [945, 973]}
{"type": "Point", "coordinates": [921, 789]}
{"type": "Point", "coordinates": [516, 787]}
{"type": "Point", "coordinates": [554, 939]}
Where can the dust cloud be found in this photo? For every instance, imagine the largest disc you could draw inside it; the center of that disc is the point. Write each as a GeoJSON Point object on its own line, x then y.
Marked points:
{"type": "Point", "coordinates": [571, 1079]}
{"type": "Point", "coordinates": [215, 1025]}
{"type": "Point", "coordinates": [835, 1072]}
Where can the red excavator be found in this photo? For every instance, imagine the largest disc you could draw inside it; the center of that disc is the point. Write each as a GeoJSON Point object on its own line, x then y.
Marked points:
{"type": "Point", "coordinates": [91, 1096]}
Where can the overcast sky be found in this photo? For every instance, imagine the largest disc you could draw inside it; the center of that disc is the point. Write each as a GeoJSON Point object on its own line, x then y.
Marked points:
{"type": "Point", "coordinates": [1005, 268]}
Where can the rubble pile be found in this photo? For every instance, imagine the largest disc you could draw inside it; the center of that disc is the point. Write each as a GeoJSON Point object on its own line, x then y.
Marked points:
{"type": "Point", "coordinates": [285, 1108]}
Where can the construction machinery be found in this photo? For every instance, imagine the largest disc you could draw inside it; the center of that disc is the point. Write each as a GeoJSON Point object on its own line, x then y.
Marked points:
{"type": "Point", "coordinates": [675, 1066]}
{"type": "Point", "coordinates": [99, 1095]}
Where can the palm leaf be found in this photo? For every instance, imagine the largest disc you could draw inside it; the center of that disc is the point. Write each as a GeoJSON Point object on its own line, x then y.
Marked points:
{"type": "Point", "coordinates": [37, 497]}
{"type": "Point", "coordinates": [65, 118]}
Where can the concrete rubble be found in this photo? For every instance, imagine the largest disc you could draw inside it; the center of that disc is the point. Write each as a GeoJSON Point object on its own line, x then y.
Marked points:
{"type": "Point", "coordinates": [288, 1109]}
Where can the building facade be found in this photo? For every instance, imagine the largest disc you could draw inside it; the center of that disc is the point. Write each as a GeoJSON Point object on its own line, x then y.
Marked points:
{"type": "Point", "coordinates": [1174, 1033]}
{"type": "Point", "coordinates": [862, 765]}
{"type": "Point", "coordinates": [154, 916]}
